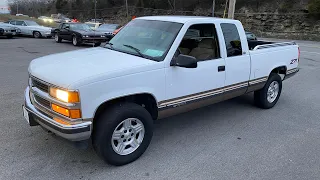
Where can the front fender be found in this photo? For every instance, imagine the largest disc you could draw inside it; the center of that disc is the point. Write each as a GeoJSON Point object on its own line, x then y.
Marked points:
{"type": "Point", "coordinates": [89, 108]}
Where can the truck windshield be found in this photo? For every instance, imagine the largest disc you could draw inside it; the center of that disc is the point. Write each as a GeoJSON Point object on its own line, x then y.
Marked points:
{"type": "Point", "coordinates": [146, 38]}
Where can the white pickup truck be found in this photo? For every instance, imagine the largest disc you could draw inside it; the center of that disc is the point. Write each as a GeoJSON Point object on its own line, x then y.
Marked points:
{"type": "Point", "coordinates": [155, 67]}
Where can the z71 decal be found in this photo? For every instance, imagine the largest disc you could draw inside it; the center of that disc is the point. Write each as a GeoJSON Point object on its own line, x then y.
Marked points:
{"type": "Point", "coordinates": [294, 61]}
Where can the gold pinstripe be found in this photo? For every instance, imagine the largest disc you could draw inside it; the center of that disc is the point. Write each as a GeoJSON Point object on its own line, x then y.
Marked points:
{"type": "Point", "coordinates": [209, 93]}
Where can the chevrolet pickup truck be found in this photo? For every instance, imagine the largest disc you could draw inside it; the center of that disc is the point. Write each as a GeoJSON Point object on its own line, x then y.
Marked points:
{"type": "Point", "coordinates": [155, 67]}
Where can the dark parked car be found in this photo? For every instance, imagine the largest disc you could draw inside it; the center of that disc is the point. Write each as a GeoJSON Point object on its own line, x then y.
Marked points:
{"type": "Point", "coordinates": [251, 36]}
{"type": "Point", "coordinates": [78, 33]}
{"type": "Point", "coordinates": [108, 29]}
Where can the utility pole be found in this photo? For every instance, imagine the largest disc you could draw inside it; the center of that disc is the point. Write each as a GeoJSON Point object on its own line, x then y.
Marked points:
{"type": "Point", "coordinates": [127, 8]}
{"type": "Point", "coordinates": [95, 10]}
{"type": "Point", "coordinates": [232, 7]}
{"type": "Point", "coordinates": [213, 7]}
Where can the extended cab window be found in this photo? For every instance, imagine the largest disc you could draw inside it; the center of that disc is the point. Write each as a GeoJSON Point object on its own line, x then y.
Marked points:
{"type": "Point", "coordinates": [232, 39]}
{"type": "Point", "coordinates": [200, 41]}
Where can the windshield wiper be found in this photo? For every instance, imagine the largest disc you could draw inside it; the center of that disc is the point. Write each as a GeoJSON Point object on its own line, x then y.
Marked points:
{"type": "Point", "coordinates": [136, 49]}
{"type": "Point", "coordinates": [110, 44]}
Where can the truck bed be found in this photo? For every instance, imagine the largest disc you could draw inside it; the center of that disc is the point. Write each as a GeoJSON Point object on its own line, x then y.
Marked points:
{"type": "Point", "coordinates": [254, 45]}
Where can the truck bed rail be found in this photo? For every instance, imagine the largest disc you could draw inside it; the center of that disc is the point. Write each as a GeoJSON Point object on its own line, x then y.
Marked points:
{"type": "Point", "coordinates": [265, 46]}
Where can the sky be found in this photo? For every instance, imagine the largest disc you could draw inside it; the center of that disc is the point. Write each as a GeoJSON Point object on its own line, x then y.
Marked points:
{"type": "Point", "coordinates": [3, 2]}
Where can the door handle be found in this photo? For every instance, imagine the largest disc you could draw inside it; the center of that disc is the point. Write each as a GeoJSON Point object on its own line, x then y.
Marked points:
{"type": "Point", "coordinates": [221, 68]}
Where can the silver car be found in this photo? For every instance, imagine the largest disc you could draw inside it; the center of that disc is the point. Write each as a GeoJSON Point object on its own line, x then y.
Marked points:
{"type": "Point", "coordinates": [31, 28]}
{"type": "Point", "coordinates": [8, 30]}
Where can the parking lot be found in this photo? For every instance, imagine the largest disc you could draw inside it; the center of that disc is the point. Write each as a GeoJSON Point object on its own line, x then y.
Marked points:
{"type": "Point", "coordinates": [230, 140]}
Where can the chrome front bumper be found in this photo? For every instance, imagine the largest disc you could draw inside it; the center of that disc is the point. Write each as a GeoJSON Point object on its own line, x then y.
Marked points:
{"type": "Point", "coordinates": [77, 132]}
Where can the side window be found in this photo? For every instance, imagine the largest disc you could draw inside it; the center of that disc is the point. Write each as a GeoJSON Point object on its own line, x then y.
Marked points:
{"type": "Point", "coordinates": [232, 39]}
{"type": "Point", "coordinates": [20, 23]}
{"type": "Point", "coordinates": [200, 41]}
{"type": "Point", "coordinates": [13, 22]}
{"type": "Point", "coordinates": [65, 26]}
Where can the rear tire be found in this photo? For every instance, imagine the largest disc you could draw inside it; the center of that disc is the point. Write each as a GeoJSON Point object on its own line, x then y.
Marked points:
{"type": "Point", "coordinates": [37, 34]}
{"type": "Point", "coordinates": [122, 133]}
{"type": "Point", "coordinates": [268, 97]}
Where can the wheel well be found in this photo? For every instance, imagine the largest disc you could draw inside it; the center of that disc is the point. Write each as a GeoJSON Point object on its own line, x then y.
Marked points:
{"type": "Point", "coordinates": [145, 100]}
{"type": "Point", "coordinates": [282, 71]}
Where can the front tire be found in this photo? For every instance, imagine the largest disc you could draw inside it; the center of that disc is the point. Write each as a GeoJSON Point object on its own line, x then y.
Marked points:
{"type": "Point", "coordinates": [122, 133]}
{"type": "Point", "coordinates": [268, 97]}
{"type": "Point", "coordinates": [76, 41]}
{"type": "Point", "coordinates": [10, 36]}
{"type": "Point", "coordinates": [57, 38]}
{"type": "Point", "coordinates": [97, 44]}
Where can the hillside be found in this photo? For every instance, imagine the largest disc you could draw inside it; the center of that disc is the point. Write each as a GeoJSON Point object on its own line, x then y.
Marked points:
{"type": "Point", "coordinates": [296, 19]}
{"type": "Point", "coordinates": [85, 7]}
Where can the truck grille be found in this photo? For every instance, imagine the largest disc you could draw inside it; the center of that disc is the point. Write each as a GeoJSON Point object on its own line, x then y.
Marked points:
{"type": "Point", "coordinates": [43, 87]}
{"type": "Point", "coordinates": [42, 102]}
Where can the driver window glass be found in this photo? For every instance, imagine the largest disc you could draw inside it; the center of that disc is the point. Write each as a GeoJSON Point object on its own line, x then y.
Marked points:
{"type": "Point", "coordinates": [65, 26]}
{"type": "Point", "coordinates": [13, 22]}
{"type": "Point", "coordinates": [200, 41]}
{"type": "Point", "coordinates": [232, 39]}
{"type": "Point", "coordinates": [20, 23]}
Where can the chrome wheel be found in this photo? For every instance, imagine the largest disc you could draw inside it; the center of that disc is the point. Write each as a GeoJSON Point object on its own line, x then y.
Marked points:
{"type": "Point", "coordinates": [74, 40]}
{"type": "Point", "coordinates": [36, 34]}
{"type": "Point", "coordinates": [128, 136]}
{"type": "Point", "coordinates": [56, 38]}
{"type": "Point", "coordinates": [273, 92]}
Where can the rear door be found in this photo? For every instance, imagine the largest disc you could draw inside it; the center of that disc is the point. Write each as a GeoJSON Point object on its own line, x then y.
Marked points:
{"type": "Point", "coordinates": [237, 59]}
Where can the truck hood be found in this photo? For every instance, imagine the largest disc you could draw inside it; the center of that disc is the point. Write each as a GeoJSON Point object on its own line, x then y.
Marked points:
{"type": "Point", "coordinates": [76, 68]}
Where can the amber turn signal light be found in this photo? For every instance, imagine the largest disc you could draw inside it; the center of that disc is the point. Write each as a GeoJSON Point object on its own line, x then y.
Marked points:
{"type": "Point", "coordinates": [71, 113]}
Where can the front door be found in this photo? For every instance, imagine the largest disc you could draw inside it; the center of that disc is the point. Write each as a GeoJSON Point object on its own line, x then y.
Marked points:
{"type": "Point", "coordinates": [24, 28]}
{"type": "Point", "coordinates": [187, 89]}
{"type": "Point", "coordinates": [65, 32]}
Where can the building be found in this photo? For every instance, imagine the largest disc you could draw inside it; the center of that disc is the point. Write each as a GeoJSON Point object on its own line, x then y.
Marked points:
{"type": "Point", "coordinates": [4, 10]}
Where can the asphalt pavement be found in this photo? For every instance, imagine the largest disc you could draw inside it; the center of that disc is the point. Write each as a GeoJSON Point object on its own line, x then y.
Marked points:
{"type": "Point", "coordinates": [229, 140]}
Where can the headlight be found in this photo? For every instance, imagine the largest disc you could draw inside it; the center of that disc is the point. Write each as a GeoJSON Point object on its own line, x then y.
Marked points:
{"type": "Point", "coordinates": [103, 36]}
{"type": "Point", "coordinates": [85, 36]}
{"type": "Point", "coordinates": [65, 96]}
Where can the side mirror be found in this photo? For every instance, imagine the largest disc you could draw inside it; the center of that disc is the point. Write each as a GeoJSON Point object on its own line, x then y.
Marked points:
{"type": "Point", "coordinates": [67, 28]}
{"type": "Point", "coordinates": [184, 61]}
